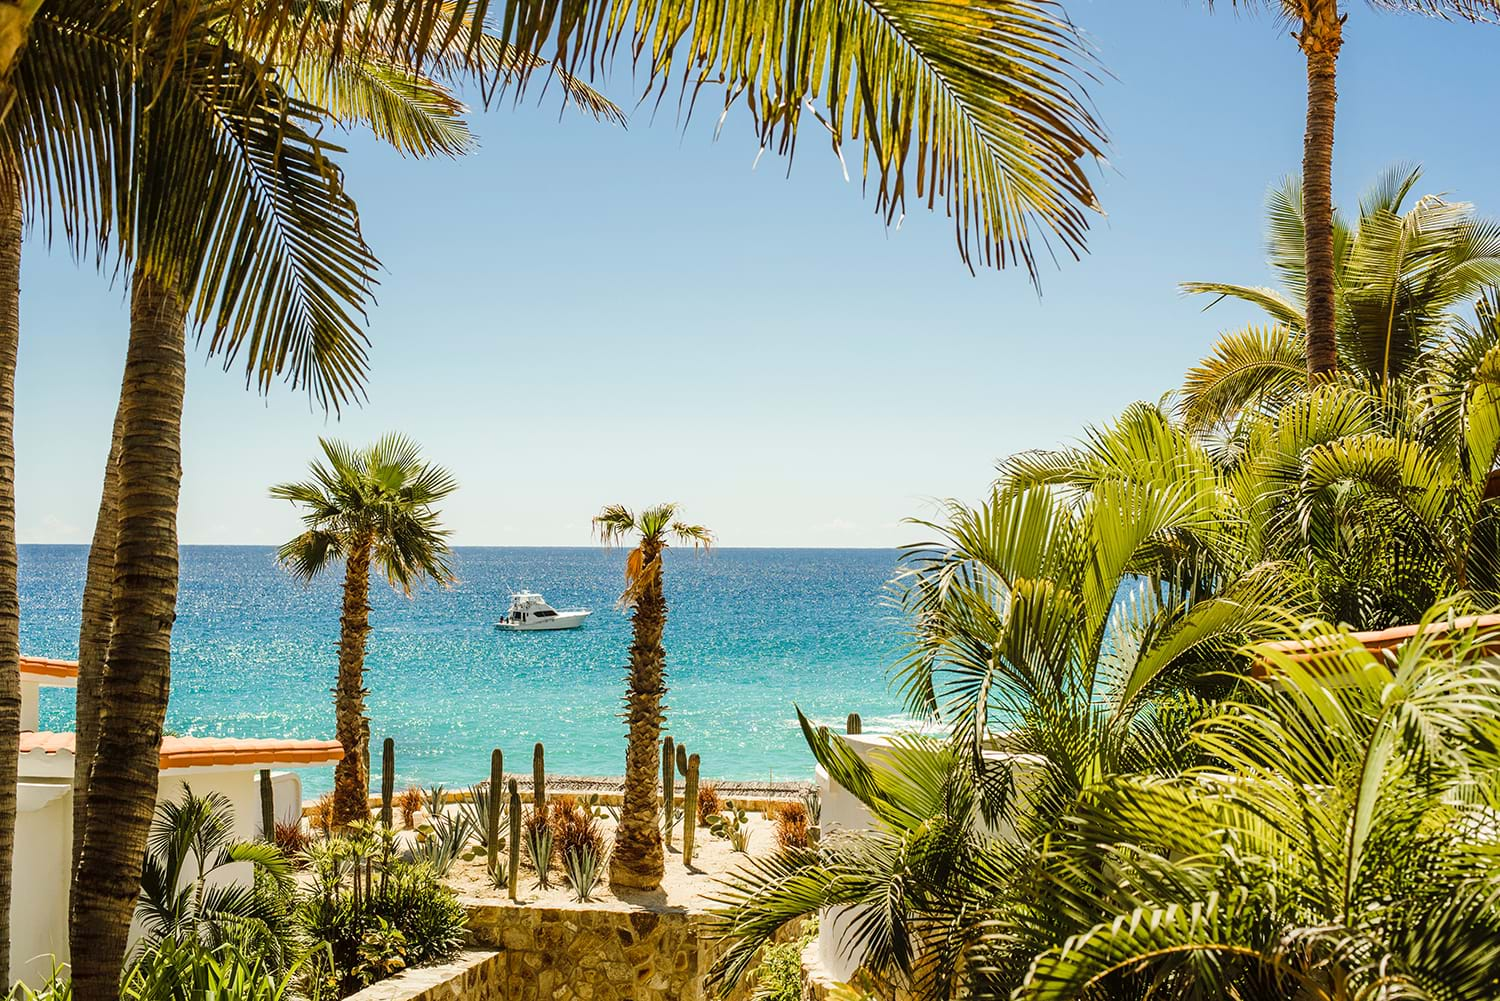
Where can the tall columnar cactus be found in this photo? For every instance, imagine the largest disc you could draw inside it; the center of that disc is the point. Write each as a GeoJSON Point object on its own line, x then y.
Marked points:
{"type": "Point", "coordinates": [853, 724]}
{"type": "Point", "coordinates": [267, 806]}
{"type": "Point", "coordinates": [387, 780]}
{"type": "Point", "coordinates": [515, 838]}
{"type": "Point", "coordinates": [539, 778]}
{"type": "Point", "coordinates": [668, 788]}
{"type": "Point", "coordinates": [682, 759]}
{"type": "Point", "coordinates": [492, 814]}
{"type": "Point", "coordinates": [689, 809]}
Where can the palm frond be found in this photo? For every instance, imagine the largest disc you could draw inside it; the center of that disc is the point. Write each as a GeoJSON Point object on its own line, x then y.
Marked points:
{"type": "Point", "coordinates": [983, 101]}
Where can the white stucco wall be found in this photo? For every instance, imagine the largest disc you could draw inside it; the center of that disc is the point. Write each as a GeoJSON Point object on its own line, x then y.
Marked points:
{"type": "Point", "coordinates": [39, 899]}
{"type": "Point", "coordinates": [44, 840]}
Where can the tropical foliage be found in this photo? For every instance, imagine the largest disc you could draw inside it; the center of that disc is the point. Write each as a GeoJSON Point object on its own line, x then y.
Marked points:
{"type": "Point", "coordinates": [1318, 28]}
{"type": "Point", "coordinates": [185, 894]}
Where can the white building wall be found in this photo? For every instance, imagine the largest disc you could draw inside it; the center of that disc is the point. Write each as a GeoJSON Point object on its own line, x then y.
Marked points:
{"type": "Point", "coordinates": [44, 846]}
{"type": "Point", "coordinates": [39, 888]}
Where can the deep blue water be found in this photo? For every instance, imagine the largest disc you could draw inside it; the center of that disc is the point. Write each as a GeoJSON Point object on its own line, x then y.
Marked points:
{"type": "Point", "coordinates": [750, 632]}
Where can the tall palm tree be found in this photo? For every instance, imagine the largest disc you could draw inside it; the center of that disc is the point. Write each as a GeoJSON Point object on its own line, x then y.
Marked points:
{"type": "Point", "coordinates": [370, 507]}
{"type": "Point", "coordinates": [636, 860]}
{"type": "Point", "coordinates": [1319, 31]}
{"type": "Point", "coordinates": [233, 214]}
{"type": "Point", "coordinates": [216, 217]}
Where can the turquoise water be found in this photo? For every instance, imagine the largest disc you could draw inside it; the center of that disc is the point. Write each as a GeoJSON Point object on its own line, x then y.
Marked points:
{"type": "Point", "coordinates": [750, 632]}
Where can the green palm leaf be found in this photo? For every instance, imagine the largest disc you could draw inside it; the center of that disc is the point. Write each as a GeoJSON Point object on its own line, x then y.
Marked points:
{"type": "Point", "coordinates": [980, 100]}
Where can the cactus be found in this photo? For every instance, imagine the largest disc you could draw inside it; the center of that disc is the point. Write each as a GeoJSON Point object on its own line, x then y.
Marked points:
{"type": "Point", "coordinates": [853, 724]}
{"type": "Point", "coordinates": [515, 838]}
{"type": "Point", "coordinates": [689, 813]}
{"type": "Point", "coordinates": [492, 815]}
{"type": "Point", "coordinates": [267, 806]}
{"type": "Point", "coordinates": [539, 778]}
{"type": "Point", "coordinates": [682, 760]}
{"type": "Point", "coordinates": [387, 780]}
{"type": "Point", "coordinates": [668, 789]}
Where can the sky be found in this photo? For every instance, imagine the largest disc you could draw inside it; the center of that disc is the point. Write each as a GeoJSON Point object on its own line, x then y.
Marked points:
{"type": "Point", "coordinates": [579, 314]}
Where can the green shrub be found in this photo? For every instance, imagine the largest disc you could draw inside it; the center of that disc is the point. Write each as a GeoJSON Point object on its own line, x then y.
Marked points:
{"type": "Point", "coordinates": [57, 987]}
{"type": "Point", "coordinates": [778, 977]}
{"type": "Point", "coordinates": [174, 969]}
{"type": "Point", "coordinates": [366, 901]}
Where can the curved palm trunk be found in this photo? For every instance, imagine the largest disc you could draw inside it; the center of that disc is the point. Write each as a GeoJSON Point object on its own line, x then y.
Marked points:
{"type": "Point", "coordinates": [93, 635]}
{"type": "Point", "coordinates": [137, 675]}
{"type": "Point", "coordinates": [1322, 35]}
{"type": "Point", "coordinates": [351, 781]}
{"type": "Point", "coordinates": [636, 859]}
{"type": "Point", "coordinates": [10, 605]}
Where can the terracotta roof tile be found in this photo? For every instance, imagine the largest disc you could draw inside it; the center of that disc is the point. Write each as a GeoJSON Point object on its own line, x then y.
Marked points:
{"type": "Point", "coordinates": [1379, 639]}
{"type": "Point", "coordinates": [185, 752]}
{"type": "Point", "coordinates": [48, 667]}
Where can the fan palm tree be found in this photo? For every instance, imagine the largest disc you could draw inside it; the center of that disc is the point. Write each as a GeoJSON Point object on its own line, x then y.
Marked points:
{"type": "Point", "coordinates": [636, 859]}
{"type": "Point", "coordinates": [1319, 30]}
{"type": "Point", "coordinates": [1341, 845]}
{"type": "Point", "coordinates": [367, 508]}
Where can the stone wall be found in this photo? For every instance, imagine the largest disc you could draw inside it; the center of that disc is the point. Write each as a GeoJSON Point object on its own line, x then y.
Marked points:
{"type": "Point", "coordinates": [476, 975]}
{"type": "Point", "coordinates": [594, 953]}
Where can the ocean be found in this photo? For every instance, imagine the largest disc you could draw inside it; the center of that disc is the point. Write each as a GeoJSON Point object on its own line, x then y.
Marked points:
{"type": "Point", "coordinates": [750, 634]}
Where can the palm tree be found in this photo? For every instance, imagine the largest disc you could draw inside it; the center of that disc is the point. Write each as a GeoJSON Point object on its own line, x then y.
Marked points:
{"type": "Point", "coordinates": [221, 197]}
{"type": "Point", "coordinates": [636, 860]}
{"type": "Point", "coordinates": [1319, 31]}
{"type": "Point", "coordinates": [1060, 630]}
{"type": "Point", "coordinates": [227, 193]}
{"type": "Point", "coordinates": [370, 507]}
{"type": "Point", "coordinates": [1340, 846]}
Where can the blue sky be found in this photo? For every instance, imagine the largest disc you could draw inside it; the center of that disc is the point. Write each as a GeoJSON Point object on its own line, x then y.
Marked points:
{"type": "Point", "coordinates": [579, 314]}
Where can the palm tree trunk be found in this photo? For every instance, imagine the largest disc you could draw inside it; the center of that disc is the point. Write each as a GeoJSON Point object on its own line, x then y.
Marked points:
{"type": "Point", "coordinates": [351, 782]}
{"type": "Point", "coordinates": [94, 634]}
{"type": "Point", "coordinates": [137, 675]}
{"type": "Point", "coordinates": [1320, 40]}
{"type": "Point", "coordinates": [10, 604]}
{"type": "Point", "coordinates": [636, 860]}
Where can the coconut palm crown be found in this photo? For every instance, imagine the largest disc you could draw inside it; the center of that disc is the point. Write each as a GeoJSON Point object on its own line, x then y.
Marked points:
{"type": "Point", "coordinates": [636, 860]}
{"type": "Point", "coordinates": [368, 507]}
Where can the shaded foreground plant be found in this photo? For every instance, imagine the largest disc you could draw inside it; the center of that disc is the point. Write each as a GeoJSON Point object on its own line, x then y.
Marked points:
{"type": "Point", "coordinates": [186, 897]}
{"type": "Point", "coordinates": [362, 892]}
{"type": "Point", "coordinates": [1342, 847]}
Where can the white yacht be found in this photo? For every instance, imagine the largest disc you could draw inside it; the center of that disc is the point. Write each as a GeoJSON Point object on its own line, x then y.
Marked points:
{"type": "Point", "coordinates": [528, 610]}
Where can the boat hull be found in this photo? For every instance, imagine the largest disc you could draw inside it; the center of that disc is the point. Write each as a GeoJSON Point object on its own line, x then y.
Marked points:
{"type": "Point", "coordinates": [562, 620]}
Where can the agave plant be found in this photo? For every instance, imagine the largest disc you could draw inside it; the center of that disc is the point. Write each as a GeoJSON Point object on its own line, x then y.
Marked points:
{"type": "Point", "coordinates": [583, 864]}
{"type": "Point", "coordinates": [441, 841]}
